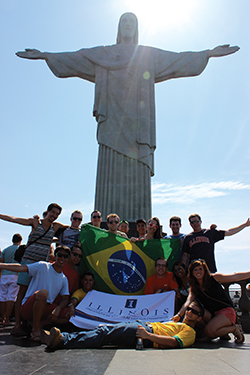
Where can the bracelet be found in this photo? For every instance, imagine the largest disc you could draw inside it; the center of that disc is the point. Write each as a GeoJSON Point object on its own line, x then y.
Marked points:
{"type": "Point", "coordinates": [71, 304]}
{"type": "Point", "coordinates": [179, 315]}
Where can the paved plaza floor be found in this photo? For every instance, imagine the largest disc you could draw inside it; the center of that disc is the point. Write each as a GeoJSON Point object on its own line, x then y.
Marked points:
{"type": "Point", "coordinates": [21, 356]}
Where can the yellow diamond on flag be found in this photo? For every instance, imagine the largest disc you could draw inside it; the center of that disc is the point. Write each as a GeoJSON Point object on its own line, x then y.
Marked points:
{"type": "Point", "coordinates": [123, 267]}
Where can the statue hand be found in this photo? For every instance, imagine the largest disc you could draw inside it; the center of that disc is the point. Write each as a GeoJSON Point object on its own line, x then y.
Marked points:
{"type": "Point", "coordinates": [33, 54]}
{"type": "Point", "coordinates": [223, 50]}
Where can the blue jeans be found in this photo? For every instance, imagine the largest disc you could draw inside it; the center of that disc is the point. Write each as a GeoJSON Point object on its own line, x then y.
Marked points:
{"type": "Point", "coordinates": [121, 334]}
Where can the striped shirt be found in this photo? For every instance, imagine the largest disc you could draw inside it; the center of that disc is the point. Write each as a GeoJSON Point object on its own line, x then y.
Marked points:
{"type": "Point", "coordinates": [39, 251]}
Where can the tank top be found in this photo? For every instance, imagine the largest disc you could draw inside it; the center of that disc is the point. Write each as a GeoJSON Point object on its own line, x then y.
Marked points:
{"type": "Point", "coordinates": [39, 251]}
{"type": "Point", "coordinates": [215, 298]}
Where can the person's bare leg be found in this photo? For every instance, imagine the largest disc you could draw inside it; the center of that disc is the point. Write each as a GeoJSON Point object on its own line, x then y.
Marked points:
{"type": "Point", "coordinates": [20, 297]}
{"type": "Point", "coordinates": [3, 310]}
{"type": "Point", "coordinates": [8, 309]}
{"type": "Point", "coordinates": [38, 311]}
{"type": "Point", "coordinates": [219, 326]}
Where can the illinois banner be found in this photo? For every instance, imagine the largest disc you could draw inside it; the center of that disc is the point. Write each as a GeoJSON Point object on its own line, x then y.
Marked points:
{"type": "Point", "coordinates": [102, 308]}
{"type": "Point", "coordinates": [120, 266]}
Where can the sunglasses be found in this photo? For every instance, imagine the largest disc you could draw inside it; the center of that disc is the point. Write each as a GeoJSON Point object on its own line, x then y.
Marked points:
{"type": "Point", "coordinates": [113, 221]}
{"type": "Point", "coordinates": [179, 269]}
{"type": "Point", "coordinates": [77, 218]}
{"type": "Point", "coordinates": [96, 217]}
{"type": "Point", "coordinates": [194, 221]}
{"type": "Point", "coordinates": [77, 255]}
{"type": "Point", "coordinates": [60, 255]}
{"type": "Point", "coordinates": [153, 225]}
{"type": "Point", "coordinates": [198, 260]}
{"type": "Point", "coordinates": [193, 311]}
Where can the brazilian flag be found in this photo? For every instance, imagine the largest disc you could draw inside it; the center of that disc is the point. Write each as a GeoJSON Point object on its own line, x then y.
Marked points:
{"type": "Point", "coordinates": [120, 266]}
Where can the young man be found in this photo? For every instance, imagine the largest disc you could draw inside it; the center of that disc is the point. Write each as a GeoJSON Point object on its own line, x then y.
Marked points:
{"type": "Point", "coordinates": [141, 226]}
{"type": "Point", "coordinates": [175, 225]}
{"type": "Point", "coordinates": [113, 223]}
{"type": "Point", "coordinates": [87, 285]}
{"type": "Point", "coordinates": [69, 236]}
{"type": "Point", "coordinates": [158, 335]}
{"type": "Point", "coordinates": [8, 281]}
{"type": "Point", "coordinates": [47, 282]}
{"type": "Point", "coordinates": [200, 242]}
{"type": "Point", "coordinates": [42, 234]}
{"type": "Point", "coordinates": [124, 226]}
{"type": "Point", "coordinates": [162, 280]}
{"type": "Point", "coordinates": [69, 269]}
{"type": "Point", "coordinates": [96, 218]}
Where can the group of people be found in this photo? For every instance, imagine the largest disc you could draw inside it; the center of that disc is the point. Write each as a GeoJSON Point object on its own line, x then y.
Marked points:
{"type": "Point", "coordinates": [49, 288]}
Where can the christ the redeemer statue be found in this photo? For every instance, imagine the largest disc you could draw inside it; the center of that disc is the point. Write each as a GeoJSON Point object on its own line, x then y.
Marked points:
{"type": "Point", "coordinates": [124, 75]}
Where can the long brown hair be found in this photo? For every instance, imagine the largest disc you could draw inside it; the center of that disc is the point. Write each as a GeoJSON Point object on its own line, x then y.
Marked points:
{"type": "Point", "coordinates": [157, 233]}
{"type": "Point", "coordinates": [194, 285]}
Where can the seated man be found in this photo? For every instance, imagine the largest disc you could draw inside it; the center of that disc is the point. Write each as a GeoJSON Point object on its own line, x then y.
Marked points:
{"type": "Point", "coordinates": [87, 285]}
{"type": "Point", "coordinates": [158, 335]}
{"type": "Point", "coordinates": [162, 280]}
{"type": "Point", "coordinates": [47, 282]}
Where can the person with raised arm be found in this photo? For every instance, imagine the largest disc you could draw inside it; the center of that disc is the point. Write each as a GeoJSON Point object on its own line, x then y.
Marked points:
{"type": "Point", "coordinates": [219, 316]}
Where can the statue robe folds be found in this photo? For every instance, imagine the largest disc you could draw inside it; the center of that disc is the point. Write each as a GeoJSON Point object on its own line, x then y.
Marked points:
{"type": "Point", "coordinates": [124, 108]}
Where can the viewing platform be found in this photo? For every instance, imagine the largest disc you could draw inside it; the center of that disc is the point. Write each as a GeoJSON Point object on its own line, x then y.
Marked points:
{"type": "Point", "coordinates": [19, 355]}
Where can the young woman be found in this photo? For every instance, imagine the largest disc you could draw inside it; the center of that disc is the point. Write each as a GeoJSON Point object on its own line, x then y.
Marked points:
{"type": "Point", "coordinates": [180, 271]}
{"type": "Point", "coordinates": [220, 315]}
{"type": "Point", "coordinates": [153, 231]}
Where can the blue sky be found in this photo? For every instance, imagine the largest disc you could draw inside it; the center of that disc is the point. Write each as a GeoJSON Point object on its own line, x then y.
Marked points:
{"type": "Point", "coordinates": [48, 145]}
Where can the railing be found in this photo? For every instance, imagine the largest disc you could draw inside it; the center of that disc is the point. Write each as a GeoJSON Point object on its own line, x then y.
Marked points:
{"type": "Point", "coordinates": [244, 304]}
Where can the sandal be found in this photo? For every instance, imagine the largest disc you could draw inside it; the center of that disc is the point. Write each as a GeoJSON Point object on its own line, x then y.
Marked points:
{"type": "Point", "coordinates": [35, 336]}
{"type": "Point", "coordinates": [238, 334]}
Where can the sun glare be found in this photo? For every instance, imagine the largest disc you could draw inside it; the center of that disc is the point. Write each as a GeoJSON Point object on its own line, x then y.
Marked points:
{"type": "Point", "coordinates": [158, 15]}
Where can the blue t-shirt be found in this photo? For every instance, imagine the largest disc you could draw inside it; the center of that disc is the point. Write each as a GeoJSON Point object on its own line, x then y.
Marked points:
{"type": "Point", "coordinates": [8, 257]}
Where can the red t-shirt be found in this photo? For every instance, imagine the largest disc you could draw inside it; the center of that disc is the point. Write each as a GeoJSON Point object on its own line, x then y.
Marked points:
{"type": "Point", "coordinates": [73, 278]}
{"type": "Point", "coordinates": [167, 283]}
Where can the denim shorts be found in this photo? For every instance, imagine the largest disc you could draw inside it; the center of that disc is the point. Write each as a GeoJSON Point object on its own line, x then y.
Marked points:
{"type": "Point", "coordinates": [23, 277]}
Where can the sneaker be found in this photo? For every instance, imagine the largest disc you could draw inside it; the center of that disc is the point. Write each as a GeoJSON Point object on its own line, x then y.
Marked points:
{"type": "Point", "coordinates": [55, 338]}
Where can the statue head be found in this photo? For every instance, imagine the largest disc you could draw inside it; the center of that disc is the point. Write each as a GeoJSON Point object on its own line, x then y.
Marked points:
{"type": "Point", "coordinates": [127, 28]}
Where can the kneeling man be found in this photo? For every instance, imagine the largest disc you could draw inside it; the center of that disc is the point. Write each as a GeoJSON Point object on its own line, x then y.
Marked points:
{"type": "Point", "coordinates": [158, 335]}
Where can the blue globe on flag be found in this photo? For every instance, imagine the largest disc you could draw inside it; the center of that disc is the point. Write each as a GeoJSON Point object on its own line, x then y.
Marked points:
{"type": "Point", "coordinates": [127, 271]}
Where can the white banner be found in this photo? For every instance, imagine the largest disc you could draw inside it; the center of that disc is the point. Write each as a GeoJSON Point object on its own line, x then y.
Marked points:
{"type": "Point", "coordinates": [103, 308]}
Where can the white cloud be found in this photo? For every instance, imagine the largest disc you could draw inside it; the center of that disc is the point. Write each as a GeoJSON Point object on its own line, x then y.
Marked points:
{"type": "Point", "coordinates": [167, 193]}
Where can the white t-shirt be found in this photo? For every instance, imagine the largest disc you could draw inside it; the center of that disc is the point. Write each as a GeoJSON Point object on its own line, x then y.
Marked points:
{"type": "Point", "coordinates": [44, 276]}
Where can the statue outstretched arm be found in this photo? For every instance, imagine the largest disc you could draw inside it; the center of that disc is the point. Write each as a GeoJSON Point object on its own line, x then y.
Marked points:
{"type": "Point", "coordinates": [33, 54]}
{"type": "Point", "coordinates": [223, 50]}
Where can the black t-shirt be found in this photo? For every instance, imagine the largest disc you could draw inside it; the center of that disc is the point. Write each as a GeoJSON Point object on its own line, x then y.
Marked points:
{"type": "Point", "coordinates": [201, 245]}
